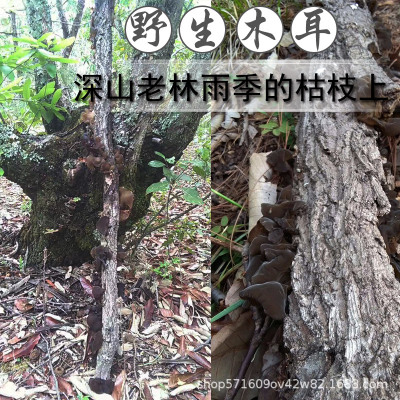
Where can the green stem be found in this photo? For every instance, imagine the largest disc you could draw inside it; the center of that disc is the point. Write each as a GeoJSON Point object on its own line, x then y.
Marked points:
{"type": "Point", "coordinates": [228, 199]}
{"type": "Point", "coordinates": [228, 310]}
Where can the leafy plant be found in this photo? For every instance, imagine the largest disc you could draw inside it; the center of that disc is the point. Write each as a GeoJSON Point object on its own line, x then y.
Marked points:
{"type": "Point", "coordinates": [26, 206]}
{"type": "Point", "coordinates": [164, 269]}
{"type": "Point", "coordinates": [82, 397]}
{"type": "Point", "coordinates": [21, 264]}
{"type": "Point", "coordinates": [175, 181]}
{"type": "Point", "coordinates": [15, 83]}
{"type": "Point", "coordinates": [281, 125]}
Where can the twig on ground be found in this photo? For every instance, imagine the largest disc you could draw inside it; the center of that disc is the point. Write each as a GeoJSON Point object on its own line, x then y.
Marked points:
{"type": "Point", "coordinates": [51, 368]}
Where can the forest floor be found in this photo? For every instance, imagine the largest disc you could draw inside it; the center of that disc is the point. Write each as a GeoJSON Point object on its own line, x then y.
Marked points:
{"type": "Point", "coordinates": [164, 314]}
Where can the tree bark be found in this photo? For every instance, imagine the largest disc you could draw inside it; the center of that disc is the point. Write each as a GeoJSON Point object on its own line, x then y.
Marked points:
{"type": "Point", "coordinates": [103, 16]}
{"type": "Point", "coordinates": [344, 316]}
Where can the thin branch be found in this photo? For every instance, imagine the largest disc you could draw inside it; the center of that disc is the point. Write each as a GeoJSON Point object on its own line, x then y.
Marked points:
{"type": "Point", "coordinates": [155, 228]}
{"type": "Point", "coordinates": [2, 119]}
{"type": "Point", "coordinates": [229, 245]}
{"type": "Point", "coordinates": [63, 20]}
{"type": "Point", "coordinates": [75, 26]}
{"type": "Point", "coordinates": [51, 368]}
{"type": "Point", "coordinates": [256, 340]}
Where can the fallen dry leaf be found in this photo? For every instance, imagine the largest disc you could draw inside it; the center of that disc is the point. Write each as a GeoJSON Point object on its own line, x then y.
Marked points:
{"type": "Point", "coordinates": [166, 313]}
{"type": "Point", "coordinates": [147, 391]}
{"type": "Point", "coordinates": [87, 286]}
{"type": "Point", "coordinates": [22, 351]}
{"type": "Point", "coordinates": [148, 312]}
{"type": "Point", "coordinates": [11, 390]}
{"type": "Point", "coordinates": [185, 388]}
{"type": "Point", "coordinates": [23, 305]}
{"type": "Point", "coordinates": [119, 386]}
{"type": "Point", "coordinates": [199, 359]}
{"type": "Point", "coordinates": [63, 385]}
{"type": "Point", "coordinates": [176, 379]}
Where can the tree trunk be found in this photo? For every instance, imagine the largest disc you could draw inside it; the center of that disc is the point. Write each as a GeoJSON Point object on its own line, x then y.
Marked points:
{"type": "Point", "coordinates": [343, 326]}
{"type": "Point", "coordinates": [40, 166]}
{"type": "Point", "coordinates": [64, 209]}
{"type": "Point", "coordinates": [103, 16]}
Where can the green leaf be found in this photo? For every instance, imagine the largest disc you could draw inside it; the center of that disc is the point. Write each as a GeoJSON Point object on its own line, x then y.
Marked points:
{"type": "Point", "coordinates": [33, 108]}
{"type": "Point", "coordinates": [11, 84]}
{"type": "Point", "coordinates": [26, 89]}
{"type": "Point", "coordinates": [185, 177]}
{"type": "Point", "coordinates": [48, 116]}
{"type": "Point", "coordinates": [169, 174]}
{"type": "Point", "coordinates": [1, 171]}
{"type": "Point", "coordinates": [156, 164]}
{"type": "Point", "coordinates": [63, 44]}
{"type": "Point", "coordinates": [65, 60]}
{"type": "Point", "coordinates": [7, 71]}
{"type": "Point", "coordinates": [170, 160]}
{"type": "Point", "coordinates": [224, 221]}
{"type": "Point", "coordinates": [269, 125]}
{"type": "Point", "coordinates": [59, 115]}
{"type": "Point", "coordinates": [45, 90]}
{"type": "Point", "coordinates": [27, 56]}
{"type": "Point", "coordinates": [157, 187]}
{"type": "Point", "coordinates": [192, 196]}
{"type": "Point", "coordinates": [160, 154]}
{"type": "Point", "coordinates": [50, 56]}
{"type": "Point", "coordinates": [56, 96]}
{"type": "Point", "coordinates": [230, 229]}
{"type": "Point", "coordinates": [200, 171]}
{"type": "Point", "coordinates": [47, 54]}
{"type": "Point", "coordinates": [48, 35]}
{"type": "Point", "coordinates": [284, 127]}
{"type": "Point", "coordinates": [26, 40]}
{"type": "Point", "coordinates": [226, 198]}
{"type": "Point", "coordinates": [228, 310]}
{"type": "Point", "coordinates": [216, 229]}
{"type": "Point", "coordinates": [276, 132]}
{"type": "Point", "coordinates": [51, 69]}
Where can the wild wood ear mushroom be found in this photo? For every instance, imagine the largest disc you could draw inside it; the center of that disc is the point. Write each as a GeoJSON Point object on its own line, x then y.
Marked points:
{"type": "Point", "coordinates": [276, 236]}
{"type": "Point", "coordinates": [278, 160]}
{"type": "Point", "coordinates": [267, 223]}
{"type": "Point", "coordinates": [271, 253]}
{"type": "Point", "coordinates": [102, 225]}
{"type": "Point", "coordinates": [254, 248]}
{"type": "Point", "coordinates": [271, 296]}
{"type": "Point", "coordinates": [253, 265]}
{"type": "Point", "coordinates": [276, 210]}
{"type": "Point", "coordinates": [101, 386]}
{"type": "Point", "coordinates": [266, 249]}
{"type": "Point", "coordinates": [275, 270]}
{"type": "Point", "coordinates": [286, 194]}
{"type": "Point", "coordinates": [263, 226]}
{"type": "Point", "coordinates": [94, 322]}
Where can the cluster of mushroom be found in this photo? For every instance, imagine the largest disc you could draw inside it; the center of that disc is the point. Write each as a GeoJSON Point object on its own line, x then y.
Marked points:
{"type": "Point", "coordinates": [271, 249]}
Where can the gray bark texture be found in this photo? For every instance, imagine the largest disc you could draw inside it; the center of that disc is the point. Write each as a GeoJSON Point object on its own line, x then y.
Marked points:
{"type": "Point", "coordinates": [343, 327]}
{"type": "Point", "coordinates": [103, 16]}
